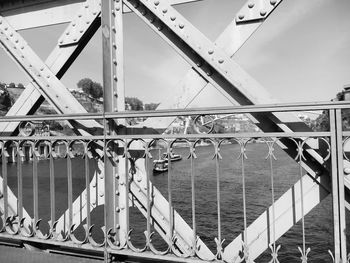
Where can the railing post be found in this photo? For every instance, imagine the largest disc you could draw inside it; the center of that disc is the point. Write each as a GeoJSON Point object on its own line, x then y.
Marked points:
{"type": "Point", "coordinates": [338, 185]}
{"type": "Point", "coordinates": [113, 82]}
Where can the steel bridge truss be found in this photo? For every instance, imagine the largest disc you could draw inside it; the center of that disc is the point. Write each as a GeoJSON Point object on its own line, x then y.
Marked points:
{"type": "Point", "coordinates": [212, 65]}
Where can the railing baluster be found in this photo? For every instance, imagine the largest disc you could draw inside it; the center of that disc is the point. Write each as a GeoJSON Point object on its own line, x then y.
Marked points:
{"type": "Point", "coordinates": [193, 199]}
{"type": "Point", "coordinates": [218, 198]}
{"type": "Point", "coordinates": [35, 186]}
{"type": "Point", "coordinates": [87, 187]}
{"type": "Point", "coordinates": [19, 185]}
{"type": "Point", "coordinates": [147, 167]}
{"type": "Point", "coordinates": [127, 186]}
{"type": "Point", "coordinates": [5, 183]}
{"type": "Point", "coordinates": [70, 188]}
{"type": "Point", "coordinates": [52, 187]}
{"type": "Point", "coordinates": [245, 235]}
{"type": "Point", "coordinates": [170, 197]}
{"type": "Point", "coordinates": [271, 157]}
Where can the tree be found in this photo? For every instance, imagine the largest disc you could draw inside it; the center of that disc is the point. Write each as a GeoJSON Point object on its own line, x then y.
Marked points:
{"type": "Point", "coordinates": [94, 89]}
{"type": "Point", "coordinates": [85, 85]}
{"type": "Point", "coordinates": [134, 103]}
{"type": "Point", "coordinates": [151, 106]}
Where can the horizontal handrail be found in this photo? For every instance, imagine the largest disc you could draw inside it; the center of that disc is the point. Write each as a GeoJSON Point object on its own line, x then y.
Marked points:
{"type": "Point", "coordinates": [309, 106]}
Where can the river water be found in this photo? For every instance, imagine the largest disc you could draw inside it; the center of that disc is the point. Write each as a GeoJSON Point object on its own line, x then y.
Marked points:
{"type": "Point", "coordinates": [318, 223]}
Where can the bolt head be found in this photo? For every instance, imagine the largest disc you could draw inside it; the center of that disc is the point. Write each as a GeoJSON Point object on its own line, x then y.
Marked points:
{"type": "Point", "coordinates": [262, 12]}
{"type": "Point", "coordinates": [273, 2]}
{"type": "Point", "coordinates": [240, 16]}
{"type": "Point", "coordinates": [156, 2]}
{"type": "Point", "coordinates": [251, 5]}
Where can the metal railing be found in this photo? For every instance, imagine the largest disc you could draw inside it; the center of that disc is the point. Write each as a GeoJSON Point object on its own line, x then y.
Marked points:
{"type": "Point", "coordinates": [217, 190]}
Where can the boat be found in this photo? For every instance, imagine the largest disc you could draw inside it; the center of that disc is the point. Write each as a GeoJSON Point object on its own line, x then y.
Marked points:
{"type": "Point", "coordinates": [173, 157]}
{"type": "Point", "coordinates": [160, 166]}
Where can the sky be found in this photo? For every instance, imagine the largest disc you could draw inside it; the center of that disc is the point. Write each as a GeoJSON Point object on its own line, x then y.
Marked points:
{"type": "Point", "coordinates": [300, 54]}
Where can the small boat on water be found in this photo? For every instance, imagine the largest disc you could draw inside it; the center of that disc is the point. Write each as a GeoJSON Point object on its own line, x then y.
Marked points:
{"type": "Point", "coordinates": [160, 166]}
{"type": "Point", "coordinates": [173, 157]}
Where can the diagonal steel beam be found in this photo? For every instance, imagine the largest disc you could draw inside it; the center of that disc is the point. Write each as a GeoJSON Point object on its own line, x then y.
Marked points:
{"type": "Point", "coordinates": [58, 61]}
{"type": "Point", "coordinates": [230, 40]}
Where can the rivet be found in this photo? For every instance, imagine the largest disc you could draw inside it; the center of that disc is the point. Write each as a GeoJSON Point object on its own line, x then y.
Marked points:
{"type": "Point", "coordinates": [115, 94]}
{"type": "Point", "coordinates": [273, 2]}
{"type": "Point", "coordinates": [61, 41]}
{"type": "Point", "coordinates": [73, 25]}
{"type": "Point", "coordinates": [136, 4]}
{"type": "Point", "coordinates": [173, 18]}
{"type": "Point", "coordinates": [22, 47]}
{"type": "Point", "coordinates": [39, 75]}
{"type": "Point", "coordinates": [113, 13]}
{"type": "Point", "coordinates": [67, 33]}
{"type": "Point", "coordinates": [240, 16]}
{"type": "Point", "coordinates": [48, 87]}
{"type": "Point", "coordinates": [251, 5]}
{"type": "Point", "coordinates": [115, 109]}
{"type": "Point", "coordinates": [115, 78]}
{"type": "Point", "coordinates": [11, 35]}
{"type": "Point", "coordinates": [87, 22]}
{"type": "Point", "coordinates": [151, 19]}
{"type": "Point", "coordinates": [42, 69]}
{"type": "Point", "coordinates": [114, 45]}
{"type": "Point", "coordinates": [79, 15]}
{"type": "Point", "coordinates": [117, 209]}
{"type": "Point", "coordinates": [74, 39]}
{"type": "Point", "coordinates": [114, 61]}
{"type": "Point", "coordinates": [262, 12]}
{"type": "Point", "coordinates": [117, 192]}
{"type": "Point", "coordinates": [165, 10]}
{"type": "Point", "coordinates": [114, 30]}
{"type": "Point", "coordinates": [117, 226]}
{"type": "Point", "coordinates": [221, 61]}
{"type": "Point", "coordinates": [199, 63]}
{"type": "Point", "coordinates": [81, 31]}
{"type": "Point", "coordinates": [160, 28]}
{"type": "Point", "coordinates": [0, 22]}
{"type": "Point", "coordinates": [16, 40]}
{"type": "Point", "coordinates": [156, 2]}
{"type": "Point", "coordinates": [86, 6]}
{"type": "Point", "coordinates": [6, 28]}
{"type": "Point", "coordinates": [210, 52]}
{"type": "Point", "coordinates": [94, 13]}
{"type": "Point", "coordinates": [101, 194]}
{"type": "Point", "coordinates": [181, 26]}
{"type": "Point", "coordinates": [117, 8]}
{"type": "Point", "coordinates": [48, 76]}
{"type": "Point", "coordinates": [209, 73]}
